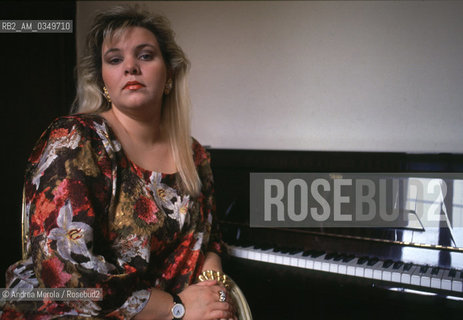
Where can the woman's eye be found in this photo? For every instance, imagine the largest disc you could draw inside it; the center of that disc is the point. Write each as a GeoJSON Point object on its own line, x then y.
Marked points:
{"type": "Point", "coordinates": [146, 56]}
{"type": "Point", "coordinates": [114, 60]}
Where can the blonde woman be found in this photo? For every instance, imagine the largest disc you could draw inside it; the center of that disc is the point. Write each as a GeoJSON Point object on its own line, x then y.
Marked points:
{"type": "Point", "coordinates": [119, 196]}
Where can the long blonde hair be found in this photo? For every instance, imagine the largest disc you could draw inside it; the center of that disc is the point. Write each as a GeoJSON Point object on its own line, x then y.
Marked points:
{"type": "Point", "coordinates": [175, 116]}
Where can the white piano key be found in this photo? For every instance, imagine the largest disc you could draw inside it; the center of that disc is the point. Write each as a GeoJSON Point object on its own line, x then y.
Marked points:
{"type": "Point", "coordinates": [287, 259]}
{"type": "Point", "coordinates": [446, 280]}
{"type": "Point", "coordinates": [406, 276]}
{"type": "Point", "coordinates": [309, 264]}
{"type": "Point", "coordinates": [457, 284]}
{"type": "Point", "coordinates": [396, 274]}
{"type": "Point", "coordinates": [334, 267]}
{"type": "Point", "coordinates": [258, 256]}
{"type": "Point", "coordinates": [359, 271]}
{"type": "Point", "coordinates": [387, 275]}
{"type": "Point", "coordinates": [326, 266]}
{"type": "Point", "coordinates": [278, 258]}
{"type": "Point", "coordinates": [342, 269]}
{"type": "Point", "coordinates": [350, 270]}
{"type": "Point", "coordinates": [416, 277]}
{"type": "Point", "coordinates": [295, 259]}
{"type": "Point", "coordinates": [351, 265]}
{"type": "Point", "coordinates": [301, 262]}
{"type": "Point", "coordinates": [436, 279]}
{"type": "Point", "coordinates": [251, 254]}
{"type": "Point", "coordinates": [271, 257]}
{"type": "Point", "coordinates": [368, 273]}
{"type": "Point", "coordinates": [377, 274]}
{"type": "Point", "coordinates": [426, 278]}
{"type": "Point", "coordinates": [264, 257]}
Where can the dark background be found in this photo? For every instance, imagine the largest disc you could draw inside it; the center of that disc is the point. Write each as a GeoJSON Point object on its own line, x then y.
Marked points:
{"type": "Point", "coordinates": [37, 85]}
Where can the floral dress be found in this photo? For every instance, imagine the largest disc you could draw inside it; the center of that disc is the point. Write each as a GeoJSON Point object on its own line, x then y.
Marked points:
{"type": "Point", "coordinates": [97, 220]}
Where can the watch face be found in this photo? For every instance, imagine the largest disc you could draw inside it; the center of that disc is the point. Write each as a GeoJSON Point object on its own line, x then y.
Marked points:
{"type": "Point", "coordinates": [178, 310]}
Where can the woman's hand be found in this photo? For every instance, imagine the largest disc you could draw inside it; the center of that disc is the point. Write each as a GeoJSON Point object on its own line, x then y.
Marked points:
{"type": "Point", "coordinates": [201, 302]}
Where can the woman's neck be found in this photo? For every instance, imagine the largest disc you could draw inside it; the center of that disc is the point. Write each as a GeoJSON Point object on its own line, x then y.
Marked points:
{"type": "Point", "coordinates": [142, 131]}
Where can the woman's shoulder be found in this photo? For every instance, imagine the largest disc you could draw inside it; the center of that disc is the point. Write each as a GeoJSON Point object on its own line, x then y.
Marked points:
{"type": "Point", "coordinates": [84, 126]}
{"type": "Point", "coordinates": [72, 132]}
{"type": "Point", "coordinates": [80, 121]}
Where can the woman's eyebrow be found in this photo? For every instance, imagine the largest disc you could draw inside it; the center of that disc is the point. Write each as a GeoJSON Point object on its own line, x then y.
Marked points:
{"type": "Point", "coordinates": [139, 47]}
{"type": "Point", "coordinates": [111, 50]}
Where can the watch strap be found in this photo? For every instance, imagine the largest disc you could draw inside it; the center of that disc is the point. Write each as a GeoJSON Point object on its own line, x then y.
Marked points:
{"type": "Point", "coordinates": [177, 298]}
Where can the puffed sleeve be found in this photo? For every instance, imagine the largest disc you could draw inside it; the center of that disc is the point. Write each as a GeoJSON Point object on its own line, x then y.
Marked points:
{"type": "Point", "coordinates": [203, 160]}
{"type": "Point", "coordinates": [69, 186]}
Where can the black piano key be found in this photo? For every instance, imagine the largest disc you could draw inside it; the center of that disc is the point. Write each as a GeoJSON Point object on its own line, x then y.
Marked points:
{"type": "Point", "coordinates": [317, 253]}
{"type": "Point", "coordinates": [362, 260]}
{"type": "Point", "coordinates": [285, 250]}
{"type": "Point", "coordinates": [372, 261]}
{"type": "Point", "coordinates": [307, 253]}
{"type": "Point", "coordinates": [276, 249]}
{"type": "Point", "coordinates": [397, 265]}
{"type": "Point", "coordinates": [265, 247]}
{"type": "Point", "coordinates": [452, 273]}
{"type": "Point", "coordinates": [387, 264]}
{"type": "Point", "coordinates": [408, 266]}
{"type": "Point", "coordinates": [338, 257]}
{"type": "Point", "coordinates": [295, 250]}
{"type": "Point", "coordinates": [435, 271]}
{"type": "Point", "coordinates": [348, 258]}
{"type": "Point", "coordinates": [330, 255]}
{"type": "Point", "coordinates": [423, 269]}
{"type": "Point", "coordinates": [461, 274]}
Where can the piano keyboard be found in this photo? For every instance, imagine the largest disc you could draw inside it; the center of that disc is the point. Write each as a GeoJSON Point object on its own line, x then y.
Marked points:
{"type": "Point", "coordinates": [350, 265]}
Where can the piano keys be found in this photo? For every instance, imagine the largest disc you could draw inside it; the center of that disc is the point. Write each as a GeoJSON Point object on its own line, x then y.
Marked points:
{"type": "Point", "coordinates": [393, 272]}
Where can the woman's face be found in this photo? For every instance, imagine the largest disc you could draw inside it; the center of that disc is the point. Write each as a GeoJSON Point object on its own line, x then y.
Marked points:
{"type": "Point", "coordinates": [134, 71]}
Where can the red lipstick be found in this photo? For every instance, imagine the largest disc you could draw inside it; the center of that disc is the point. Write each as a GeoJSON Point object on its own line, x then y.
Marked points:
{"type": "Point", "coordinates": [133, 85]}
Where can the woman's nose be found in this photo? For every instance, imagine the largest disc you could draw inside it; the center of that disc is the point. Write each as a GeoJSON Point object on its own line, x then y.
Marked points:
{"type": "Point", "coordinates": [132, 67]}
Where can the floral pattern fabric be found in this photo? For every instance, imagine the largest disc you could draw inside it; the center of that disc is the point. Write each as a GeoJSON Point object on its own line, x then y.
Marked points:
{"type": "Point", "coordinates": [97, 220]}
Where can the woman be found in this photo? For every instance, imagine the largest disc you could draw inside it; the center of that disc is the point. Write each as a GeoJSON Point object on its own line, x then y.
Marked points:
{"type": "Point", "coordinates": [119, 196]}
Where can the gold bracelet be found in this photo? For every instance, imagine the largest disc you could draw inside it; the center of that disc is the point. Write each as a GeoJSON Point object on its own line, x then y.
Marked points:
{"type": "Point", "coordinates": [214, 275]}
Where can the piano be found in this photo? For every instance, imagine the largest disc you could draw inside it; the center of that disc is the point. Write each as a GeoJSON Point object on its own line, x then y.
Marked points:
{"type": "Point", "coordinates": [326, 272]}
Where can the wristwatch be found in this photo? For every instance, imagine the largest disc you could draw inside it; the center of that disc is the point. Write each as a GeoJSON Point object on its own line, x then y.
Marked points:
{"type": "Point", "coordinates": [178, 310]}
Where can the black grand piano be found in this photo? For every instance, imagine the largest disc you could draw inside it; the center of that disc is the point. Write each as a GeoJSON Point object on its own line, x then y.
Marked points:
{"type": "Point", "coordinates": [346, 273]}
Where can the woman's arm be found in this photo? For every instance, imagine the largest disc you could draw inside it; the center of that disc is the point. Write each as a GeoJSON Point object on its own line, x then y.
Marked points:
{"type": "Point", "coordinates": [212, 262]}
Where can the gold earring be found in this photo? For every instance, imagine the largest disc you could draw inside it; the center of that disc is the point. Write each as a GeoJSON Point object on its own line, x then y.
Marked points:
{"type": "Point", "coordinates": [106, 94]}
{"type": "Point", "coordinates": [168, 87]}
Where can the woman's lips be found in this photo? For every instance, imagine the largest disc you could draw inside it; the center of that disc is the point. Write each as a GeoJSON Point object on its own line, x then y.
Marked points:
{"type": "Point", "coordinates": [133, 85]}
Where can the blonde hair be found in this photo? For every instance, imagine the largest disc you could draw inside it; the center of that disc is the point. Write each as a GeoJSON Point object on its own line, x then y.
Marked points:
{"type": "Point", "coordinates": [175, 116]}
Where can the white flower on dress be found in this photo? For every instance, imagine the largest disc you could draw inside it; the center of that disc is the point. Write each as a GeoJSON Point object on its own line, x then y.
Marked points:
{"type": "Point", "coordinates": [180, 209]}
{"type": "Point", "coordinates": [49, 154]}
{"type": "Point", "coordinates": [83, 308]}
{"type": "Point", "coordinates": [99, 264]}
{"type": "Point", "coordinates": [71, 237]}
{"type": "Point", "coordinates": [162, 193]}
{"type": "Point", "coordinates": [130, 247]}
{"type": "Point", "coordinates": [136, 302]}
{"type": "Point", "coordinates": [26, 276]}
{"type": "Point", "coordinates": [199, 241]}
{"type": "Point", "coordinates": [109, 145]}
